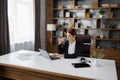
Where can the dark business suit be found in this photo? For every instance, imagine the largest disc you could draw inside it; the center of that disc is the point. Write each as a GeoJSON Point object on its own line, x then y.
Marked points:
{"type": "Point", "coordinates": [63, 48]}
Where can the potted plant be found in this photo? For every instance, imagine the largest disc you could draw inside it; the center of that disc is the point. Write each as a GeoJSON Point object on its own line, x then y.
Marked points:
{"type": "Point", "coordinates": [101, 12]}
{"type": "Point", "coordinates": [97, 55]}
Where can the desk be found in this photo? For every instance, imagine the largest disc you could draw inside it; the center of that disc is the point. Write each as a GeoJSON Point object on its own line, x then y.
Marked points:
{"type": "Point", "coordinates": [38, 68]}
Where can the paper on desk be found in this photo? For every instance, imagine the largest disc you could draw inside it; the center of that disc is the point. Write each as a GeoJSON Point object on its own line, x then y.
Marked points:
{"type": "Point", "coordinates": [25, 56]}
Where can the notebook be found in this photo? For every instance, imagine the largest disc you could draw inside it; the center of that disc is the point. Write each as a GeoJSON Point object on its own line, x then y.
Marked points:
{"type": "Point", "coordinates": [46, 55]}
{"type": "Point", "coordinates": [80, 65]}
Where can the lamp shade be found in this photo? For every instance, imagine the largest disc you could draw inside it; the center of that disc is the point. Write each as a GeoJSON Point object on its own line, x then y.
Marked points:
{"type": "Point", "coordinates": [51, 27]}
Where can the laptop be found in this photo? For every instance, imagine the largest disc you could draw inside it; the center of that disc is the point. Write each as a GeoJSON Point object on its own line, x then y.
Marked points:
{"type": "Point", "coordinates": [46, 55]}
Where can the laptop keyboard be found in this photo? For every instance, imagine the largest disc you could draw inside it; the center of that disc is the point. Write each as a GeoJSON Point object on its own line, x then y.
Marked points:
{"type": "Point", "coordinates": [54, 57]}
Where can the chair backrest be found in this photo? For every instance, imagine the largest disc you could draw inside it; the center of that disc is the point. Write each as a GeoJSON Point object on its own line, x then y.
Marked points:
{"type": "Point", "coordinates": [86, 40]}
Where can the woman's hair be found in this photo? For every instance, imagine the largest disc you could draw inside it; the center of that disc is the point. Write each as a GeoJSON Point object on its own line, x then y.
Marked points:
{"type": "Point", "coordinates": [72, 31]}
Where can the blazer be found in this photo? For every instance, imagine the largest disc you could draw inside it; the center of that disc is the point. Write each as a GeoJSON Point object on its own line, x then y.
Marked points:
{"type": "Point", "coordinates": [63, 48]}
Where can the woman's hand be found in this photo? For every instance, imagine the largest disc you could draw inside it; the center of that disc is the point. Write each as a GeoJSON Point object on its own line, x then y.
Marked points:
{"type": "Point", "coordinates": [58, 55]}
{"type": "Point", "coordinates": [61, 40]}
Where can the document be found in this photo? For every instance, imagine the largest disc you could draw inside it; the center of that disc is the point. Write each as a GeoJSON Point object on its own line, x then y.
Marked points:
{"type": "Point", "coordinates": [25, 56]}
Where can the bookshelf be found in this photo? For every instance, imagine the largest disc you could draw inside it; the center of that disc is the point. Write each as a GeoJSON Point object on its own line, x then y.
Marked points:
{"type": "Point", "coordinates": [84, 16]}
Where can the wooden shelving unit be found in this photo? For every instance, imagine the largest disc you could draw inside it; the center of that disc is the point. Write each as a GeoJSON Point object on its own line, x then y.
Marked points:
{"type": "Point", "coordinates": [87, 12]}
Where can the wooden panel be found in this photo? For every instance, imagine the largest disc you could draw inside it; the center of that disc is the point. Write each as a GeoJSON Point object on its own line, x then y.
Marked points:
{"type": "Point", "coordinates": [49, 21]}
{"type": "Point", "coordinates": [49, 11]}
{"type": "Point", "coordinates": [21, 73]}
{"type": "Point", "coordinates": [49, 41]}
{"type": "Point", "coordinates": [118, 71]}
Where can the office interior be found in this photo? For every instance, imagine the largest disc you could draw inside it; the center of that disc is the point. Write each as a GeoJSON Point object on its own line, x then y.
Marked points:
{"type": "Point", "coordinates": [49, 20]}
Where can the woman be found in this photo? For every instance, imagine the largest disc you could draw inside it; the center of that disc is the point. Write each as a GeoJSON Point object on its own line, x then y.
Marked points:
{"type": "Point", "coordinates": [70, 48]}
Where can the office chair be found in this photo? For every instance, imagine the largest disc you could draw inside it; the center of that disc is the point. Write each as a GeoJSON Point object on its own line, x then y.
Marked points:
{"type": "Point", "coordinates": [86, 40]}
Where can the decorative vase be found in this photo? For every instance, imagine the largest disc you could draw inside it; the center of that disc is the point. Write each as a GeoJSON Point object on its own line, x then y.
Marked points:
{"type": "Point", "coordinates": [95, 63]}
{"type": "Point", "coordinates": [101, 35]}
{"type": "Point", "coordinates": [101, 16]}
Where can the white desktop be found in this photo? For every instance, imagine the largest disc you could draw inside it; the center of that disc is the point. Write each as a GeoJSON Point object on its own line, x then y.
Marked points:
{"type": "Point", "coordinates": [31, 59]}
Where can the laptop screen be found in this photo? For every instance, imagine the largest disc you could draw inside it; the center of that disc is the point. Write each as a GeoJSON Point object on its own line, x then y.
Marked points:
{"type": "Point", "coordinates": [44, 54]}
{"type": "Point", "coordinates": [47, 56]}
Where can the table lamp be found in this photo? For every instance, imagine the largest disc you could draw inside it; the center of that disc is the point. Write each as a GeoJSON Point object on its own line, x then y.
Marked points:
{"type": "Point", "coordinates": [50, 28]}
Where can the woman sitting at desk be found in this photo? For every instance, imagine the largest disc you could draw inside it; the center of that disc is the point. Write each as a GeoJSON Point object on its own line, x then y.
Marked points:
{"type": "Point", "coordinates": [70, 48]}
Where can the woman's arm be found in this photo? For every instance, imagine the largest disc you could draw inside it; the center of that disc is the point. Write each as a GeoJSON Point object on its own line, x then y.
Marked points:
{"type": "Point", "coordinates": [60, 49]}
{"type": "Point", "coordinates": [61, 44]}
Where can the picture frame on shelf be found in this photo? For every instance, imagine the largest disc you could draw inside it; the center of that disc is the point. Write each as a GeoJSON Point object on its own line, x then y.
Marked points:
{"type": "Point", "coordinates": [67, 14]}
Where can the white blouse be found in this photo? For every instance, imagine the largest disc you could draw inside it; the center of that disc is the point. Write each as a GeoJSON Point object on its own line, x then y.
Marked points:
{"type": "Point", "coordinates": [71, 48]}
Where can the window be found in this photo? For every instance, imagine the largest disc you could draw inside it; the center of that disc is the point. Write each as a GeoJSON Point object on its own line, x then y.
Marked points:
{"type": "Point", "coordinates": [21, 23]}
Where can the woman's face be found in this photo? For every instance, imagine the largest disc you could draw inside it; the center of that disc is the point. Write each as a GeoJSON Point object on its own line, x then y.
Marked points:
{"type": "Point", "coordinates": [70, 37]}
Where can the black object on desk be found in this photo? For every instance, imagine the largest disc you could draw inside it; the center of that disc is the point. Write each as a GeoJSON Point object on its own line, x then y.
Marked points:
{"type": "Point", "coordinates": [80, 65]}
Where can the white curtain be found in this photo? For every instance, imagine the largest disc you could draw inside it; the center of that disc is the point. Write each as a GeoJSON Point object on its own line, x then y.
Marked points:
{"type": "Point", "coordinates": [21, 24]}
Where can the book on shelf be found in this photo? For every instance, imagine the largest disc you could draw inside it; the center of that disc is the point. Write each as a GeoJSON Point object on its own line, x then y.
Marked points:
{"type": "Point", "coordinates": [59, 33]}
